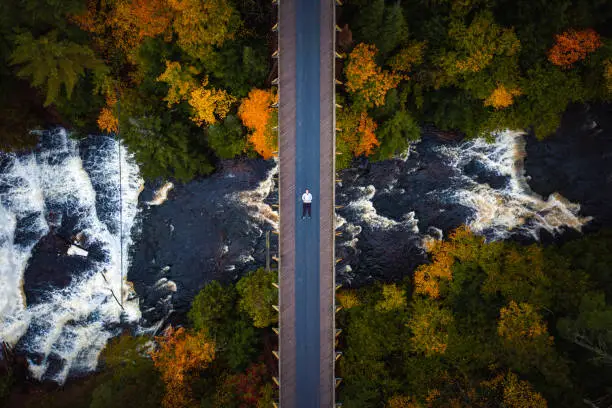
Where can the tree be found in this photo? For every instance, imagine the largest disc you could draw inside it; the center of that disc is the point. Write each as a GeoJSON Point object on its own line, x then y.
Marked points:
{"type": "Point", "coordinates": [356, 136]}
{"type": "Point", "coordinates": [592, 328]}
{"type": "Point", "coordinates": [50, 63]}
{"type": "Point", "coordinates": [214, 311]}
{"type": "Point", "coordinates": [381, 25]}
{"type": "Point", "coordinates": [394, 298]}
{"type": "Point", "coordinates": [164, 146]}
{"type": "Point", "coordinates": [201, 25]}
{"type": "Point", "coordinates": [238, 66]}
{"type": "Point", "coordinates": [128, 375]}
{"type": "Point", "coordinates": [608, 75]}
{"type": "Point", "coordinates": [347, 298]}
{"type": "Point", "coordinates": [508, 391]}
{"type": "Point", "coordinates": [474, 46]}
{"type": "Point", "coordinates": [212, 307]}
{"type": "Point", "coordinates": [572, 46]}
{"type": "Point", "coordinates": [460, 245]}
{"type": "Point", "coordinates": [256, 113]}
{"type": "Point", "coordinates": [501, 97]}
{"type": "Point", "coordinates": [365, 79]}
{"type": "Point", "coordinates": [119, 27]}
{"type": "Point", "coordinates": [227, 139]}
{"type": "Point", "coordinates": [181, 82]}
{"type": "Point", "coordinates": [395, 134]}
{"type": "Point", "coordinates": [257, 295]}
{"type": "Point", "coordinates": [209, 105]}
{"type": "Point", "coordinates": [244, 390]}
{"type": "Point", "coordinates": [179, 354]}
{"type": "Point", "coordinates": [407, 58]}
{"type": "Point", "coordinates": [548, 91]}
{"type": "Point", "coordinates": [107, 121]}
{"type": "Point", "coordinates": [429, 325]}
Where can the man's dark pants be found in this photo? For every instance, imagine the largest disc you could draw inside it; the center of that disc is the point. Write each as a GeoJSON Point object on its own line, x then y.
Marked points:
{"type": "Point", "coordinates": [305, 207]}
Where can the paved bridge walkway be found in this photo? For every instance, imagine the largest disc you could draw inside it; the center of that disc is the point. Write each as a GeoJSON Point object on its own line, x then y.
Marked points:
{"type": "Point", "coordinates": [306, 248]}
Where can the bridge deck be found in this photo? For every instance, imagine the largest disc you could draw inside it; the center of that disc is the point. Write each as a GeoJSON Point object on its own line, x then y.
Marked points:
{"type": "Point", "coordinates": [306, 154]}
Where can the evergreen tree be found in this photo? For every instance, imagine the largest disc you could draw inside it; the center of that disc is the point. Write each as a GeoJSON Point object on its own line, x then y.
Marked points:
{"type": "Point", "coordinates": [50, 63]}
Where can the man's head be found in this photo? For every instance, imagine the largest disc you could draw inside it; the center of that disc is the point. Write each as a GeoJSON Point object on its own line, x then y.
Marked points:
{"type": "Point", "coordinates": [307, 191]}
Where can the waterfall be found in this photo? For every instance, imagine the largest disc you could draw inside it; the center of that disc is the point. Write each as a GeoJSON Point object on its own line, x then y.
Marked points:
{"type": "Point", "coordinates": [71, 189]}
{"type": "Point", "coordinates": [513, 208]}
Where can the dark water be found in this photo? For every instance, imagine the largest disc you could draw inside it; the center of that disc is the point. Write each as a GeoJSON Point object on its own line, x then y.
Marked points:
{"type": "Point", "coordinates": [577, 162]}
{"type": "Point", "coordinates": [202, 233]}
{"type": "Point", "coordinates": [214, 228]}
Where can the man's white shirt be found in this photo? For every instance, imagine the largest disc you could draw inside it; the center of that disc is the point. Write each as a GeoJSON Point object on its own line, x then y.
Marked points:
{"type": "Point", "coordinates": [307, 198]}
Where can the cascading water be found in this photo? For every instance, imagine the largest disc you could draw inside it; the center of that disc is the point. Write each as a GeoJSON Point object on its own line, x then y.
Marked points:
{"type": "Point", "coordinates": [71, 190]}
{"type": "Point", "coordinates": [213, 228]}
{"type": "Point", "coordinates": [513, 208]}
{"type": "Point", "coordinates": [391, 207]}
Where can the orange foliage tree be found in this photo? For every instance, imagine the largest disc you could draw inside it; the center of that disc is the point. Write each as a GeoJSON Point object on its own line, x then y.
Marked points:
{"type": "Point", "coordinates": [256, 113]}
{"type": "Point", "coordinates": [572, 46]}
{"type": "Point", "coordinates": [501, 97]}
{"type": "Point", "coordinates": [123, 25]}
{"type": "Point", "coordinates": [460, 245]}
{"type": "Point", "coordinates": [366, 79]}
{"type": "Point", "coordinates": [513, 392]}
{"type": "Point", "coordinates": [107, 121]}
{"type": "Point", "coordinates": [180, 354]}
{"type": "Point", "coordinates": [357, 133]}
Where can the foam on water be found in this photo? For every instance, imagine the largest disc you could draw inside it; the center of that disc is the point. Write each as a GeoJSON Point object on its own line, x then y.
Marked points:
{"type": "Point", "coordinates": [254, 199]}
{"type": "Point", "coordinates": [515, 208]}
{"type": "Point", "coordinates": [67, 327]}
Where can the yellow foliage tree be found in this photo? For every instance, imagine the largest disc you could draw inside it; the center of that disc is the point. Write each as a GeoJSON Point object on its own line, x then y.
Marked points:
{"type": "Point", "coordinates": [521, 323]}
{"type": "Point", "coordinates": [256, 113]}
{"type": "Point", "coordinates": [513, 392]}
{"type": "Point", "coordinates": [407, 58]}
{"type": "Point", "coordinates": [501, 97]}
{"type": "Point", "coordinates": [181, 353]}
{"type": "Point", "coordinates": [366, 79]}
{"type": "Point", "coordinates": [402, 401]}
{"type": "Point", "coordinates": [209, 105]}
{"type": "Point", "coordinates": [348, 298]}
{"type": "Point", "coordinates": [199, 25]}
{"type": "Point", "coordinates": [429, 325]}
{"type": "Point", "coordinates": [474, 46]}
{"type": "Point", "coordinates": [393, 298]}
{"type": "Point", "coordinates": [181, 82]}
{"type": "Point", "coordinates": [520, 394]}
{"type": "Point", "coordinates": [608, 74]}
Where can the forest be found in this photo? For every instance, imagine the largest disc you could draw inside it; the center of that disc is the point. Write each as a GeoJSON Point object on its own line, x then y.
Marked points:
{"type": "Point", "coordinates": [186, 84]}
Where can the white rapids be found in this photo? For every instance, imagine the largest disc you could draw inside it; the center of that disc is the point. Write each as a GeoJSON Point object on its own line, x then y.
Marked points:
{"type": "Point", "coordinates": [37, 191]}
{"type": "Point", "coordinates": [515, 208]}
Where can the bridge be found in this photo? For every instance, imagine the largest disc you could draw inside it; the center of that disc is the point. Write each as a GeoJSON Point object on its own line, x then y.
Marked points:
{"type": "Point", "coordinates": [306, 87]}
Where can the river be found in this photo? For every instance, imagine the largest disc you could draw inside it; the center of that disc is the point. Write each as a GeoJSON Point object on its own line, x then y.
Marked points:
{"type": "Point", "coordinates": [60, 304]}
